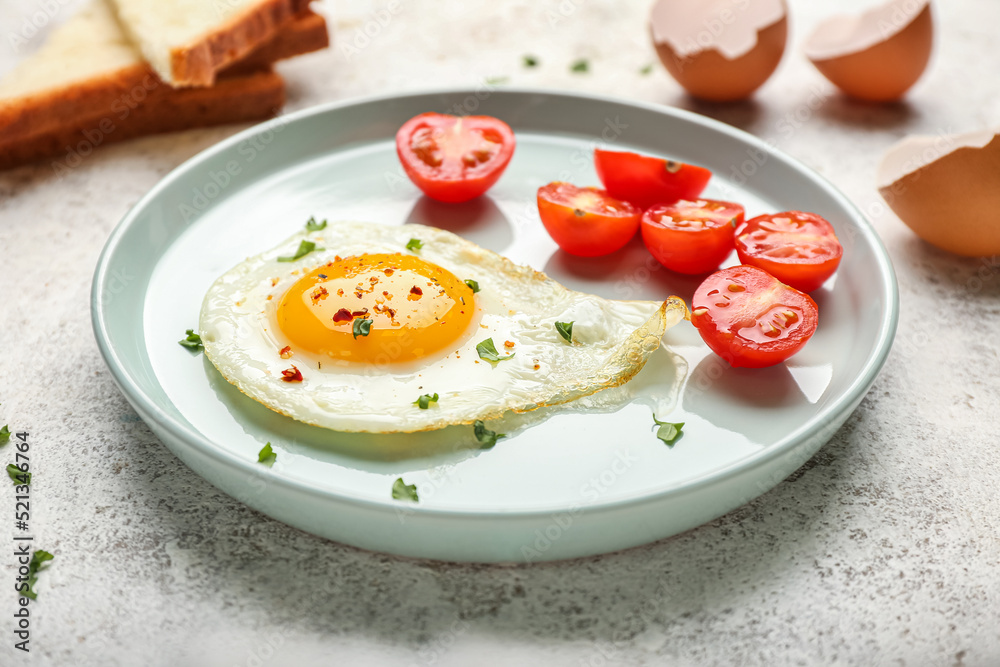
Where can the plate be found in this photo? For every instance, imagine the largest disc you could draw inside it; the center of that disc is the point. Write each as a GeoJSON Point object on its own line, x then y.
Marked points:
{"type": "Point", "coordinates": [566, 482]}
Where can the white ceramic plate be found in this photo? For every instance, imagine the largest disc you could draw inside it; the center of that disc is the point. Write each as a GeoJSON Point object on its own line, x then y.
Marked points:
{"type": "Point", "coordinates": [568, 482]}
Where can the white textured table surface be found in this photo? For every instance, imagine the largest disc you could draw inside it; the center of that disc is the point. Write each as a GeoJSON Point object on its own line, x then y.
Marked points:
{"type": "Point", "coordinates": [883, 549]}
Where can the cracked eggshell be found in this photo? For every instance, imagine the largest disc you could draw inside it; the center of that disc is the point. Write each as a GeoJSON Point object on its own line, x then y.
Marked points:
{"type": "Point", "coordinates": [947, 190]}
{"type": "Point", "coordinates": [878, 55]}
{"type": "Point", "coordinates": [720, 50]}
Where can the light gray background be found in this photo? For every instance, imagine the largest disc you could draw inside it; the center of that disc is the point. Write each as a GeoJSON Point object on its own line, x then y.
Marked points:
{"type": "Point", "coordinates": [881, 550]}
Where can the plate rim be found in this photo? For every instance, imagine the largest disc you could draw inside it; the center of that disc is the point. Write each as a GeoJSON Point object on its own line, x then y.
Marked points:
{"type": "Point", "coordinates": [847, 402]}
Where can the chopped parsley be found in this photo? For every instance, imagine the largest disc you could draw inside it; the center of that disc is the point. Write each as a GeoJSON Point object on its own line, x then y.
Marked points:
{"type": "Point", "coordinates": [565, 330]}
{"type": "Point", "coordinates": [648, 69]}
{"type": "Point", "coordinates": [266, 455]}
{"type": "Point", "coordinates": [4, 434]}
{"type": "Point", "coordinates": [488, 352]}
{"type": "Point", "coordinates": [192, 341]}
{"type": "Point", "coordinates": [668, 432]}
{"type": "Point", "coordinates": [485, 437]}
{"type": "Point", "coordinates": [473, 285]}
{"type": "Point", "coordinates": [38, 558]}
{"type": "Point", "coordinates": [425, 401]}
{"type": "Point", "coordinates": [18, 475]}
{"type": "Point", "coordinates": [496, 80]}
{"type": "Point", "coordinates": [305, 247]}
{"type": "Point", "coordinates": [530, 61]}
{"type": "Point", "coordinates": [403, 491]}
{"type": "Point", "coordinates": [580, 66]}
{"type": "Point", "coordinates": [361, 327]}
{"type": "Point", "coordinates": [414, 245]}
{"type": "Point", "coordinates": [313, 226]}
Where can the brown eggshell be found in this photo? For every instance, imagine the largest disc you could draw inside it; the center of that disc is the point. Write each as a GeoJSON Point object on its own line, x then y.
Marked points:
{"type": "Point", "coordinates": [947, 190]}
{"type": "Point", "coordinates": [720, 53]}
{"type": "Point", "coordinates": [878, 55]}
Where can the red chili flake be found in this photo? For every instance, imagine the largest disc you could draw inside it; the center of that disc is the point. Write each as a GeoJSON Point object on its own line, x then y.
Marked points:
{"type": "Point", "coordinates": [286, 352]}
{"type": "Point", "coordinates": [358, 294]}
{"type": "Point", "coordinates": [508, 344]}
{"type": "Point", "coordinates": [340, 292]}
{"type": "Point", "coordinates": [319, 293]}
{"type": "Point", "coordinates": [388, 272]}
{"type": "Point", "coordinates": [373, 280]}
{"type": "Point", "coordinates": [343, 315]}
{"type": "Point", "coordinates": [292, 374]}
{"type": "Point", "coordinates": [360, 313]}
{"type": "Point", "coordinates": [274, 281]}
{"type": "Point", "coordinates": [416, 290]}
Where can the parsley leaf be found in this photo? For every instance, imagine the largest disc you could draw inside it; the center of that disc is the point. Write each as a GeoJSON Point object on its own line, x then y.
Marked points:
{"type": "Point", "coordinates": [266, 455]}
{"type": "Point", "coordinates": [485, 437]}
{"type": "Point", "coordinates": [565, 330]}
{"type": "Point", "coordinates": [5, 434]}
{"type": "Point", "coordinates": [580, 66]}
{"type": "Point", "coordinates": [403, 491]}
{"type": "Point", "coordinates": [414, 245]}
{"type": "Point", "coordinates": [192, 341]}
{"type": "Point", "coordinates": [473, 285]}
{"type": "Point", "coordinates": [34, 567]}
{"type": "Point", "coordinates": [425, 400]}
{"type": "Point", "coordinates": [361, 327]}
{"type": "Point", "coordinates": [18, 475]}
{"type": "Point", "coordinates": [530, 61]}
{"type": "Point", "coordinates": [668, 432]}
{"type": "Point", "coordinates": [305, 247]}
{"type": "Point", "coordinates": [488, 351]}
{"type": "Point", "coordinates": [313, 226]}
{"type": "Point", "coordinates": [648, 69]}
{"type": "Point", "coordinates": [496, 80]}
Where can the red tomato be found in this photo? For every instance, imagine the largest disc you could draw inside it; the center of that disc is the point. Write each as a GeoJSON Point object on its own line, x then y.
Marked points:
{"type": "Point", "coordinates": [751, 319]}
{"type": "Point", "coordinates": [799, 249]}
{"type": "Point", "coordinates": [691, 237]}
{"type": "Point", "coordinates": [454, 158]}
{"type": "Point", "coordinates": [586, 221]}
{"type": "Point", "coordinates": [645, 180]}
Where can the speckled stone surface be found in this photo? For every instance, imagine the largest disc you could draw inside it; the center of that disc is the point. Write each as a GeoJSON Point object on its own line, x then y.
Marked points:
{"type": "Point", "coordinates": [881, 550]}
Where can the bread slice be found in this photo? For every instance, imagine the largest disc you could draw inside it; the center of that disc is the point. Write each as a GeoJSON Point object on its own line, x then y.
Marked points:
{"type": "Point", "coordinates": [188, 42]}
{"type": "Point", "coordinates": [88, 67]}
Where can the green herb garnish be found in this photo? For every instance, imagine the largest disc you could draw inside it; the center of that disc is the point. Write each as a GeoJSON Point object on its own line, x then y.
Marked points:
{"type": "Point", "coordinates": [485, 437]}
{"type": "Point", "coordinates": [313, 226]}
{"type": "Point", "coordinates": [266, 455]}
{"type": "Point", "coordinates": [361, 327]}
{"type": "Point", "coordinates": [648, 69]}
{"type": "Point", "coordinates": [668, 432]}
{"type": "Point", "coordinates": [530, 61]}
{"type": "Point", "coordinates": [34, 567]}
{"type": "Point", "coordinates": [425, 401]}
{"type": "Point", "coordinates": [580, 66]}
{"type": "Point", "coordinates": [305, 247]}
{"type": "Point", "coordinates": [192, 341]}
{"type": "Point", "coordinates": [18, 475]}
{"type": "Point", "coordinates": [473, 285]}
{"type": "Point", "coordinates": [5, 434]}
{"type": "Point", "coordinates": [404, 491]}
{"type": "Point", "coordinates": [414, 245]}
{"type": "Point", "coordinates": [496, 80]}
{"type": "Point", "coordinates": [488, 351]}
{"type": "Point", "coordinates": [565, 330]}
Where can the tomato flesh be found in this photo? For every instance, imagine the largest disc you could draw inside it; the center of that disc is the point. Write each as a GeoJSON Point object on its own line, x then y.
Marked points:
{"type": "Point", "coordinates": [454, 158]}
{"type": "Point", "coordinates": [750, 318]}
{"type": "Point", "coordinates": [799, 249]}
{"type": "Point", "coordinates": [691, 237]}
{"type": "Point", "coordinates": [645, 180]}
{"type": "Point", "coordinates": [586, 221]}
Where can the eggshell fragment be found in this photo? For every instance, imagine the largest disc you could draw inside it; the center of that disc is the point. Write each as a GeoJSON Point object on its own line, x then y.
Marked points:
{"type": "Point", "coordinates": [720, 50]}
{"type": "Point", "coordinates": [878, 55]}
{"type": "Point", "coordinates": [947, 190]}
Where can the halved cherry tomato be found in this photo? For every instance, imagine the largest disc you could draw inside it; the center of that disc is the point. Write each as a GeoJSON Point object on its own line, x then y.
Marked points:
{"type": "Point", "coordinates": [751, 319]}
{"type": "Point", "coordinates": [691, 237]}
{"type": "Point", "coordinates": [586, 221]}
{"type": "Point", "coordinates": [454, 158]}
{"type": "Point", "coordinates": [799, 249]}
{"type": "Point", "coordinates": [645, 180]}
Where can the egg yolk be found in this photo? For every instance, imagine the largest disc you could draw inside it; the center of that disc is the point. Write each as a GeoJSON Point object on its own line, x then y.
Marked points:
{"type": "Point", "coordinates": [409, 308]}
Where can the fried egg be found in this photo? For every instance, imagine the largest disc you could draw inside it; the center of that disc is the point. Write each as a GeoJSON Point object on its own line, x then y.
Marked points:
{"type": "Point", "coordinates": [349, 326]}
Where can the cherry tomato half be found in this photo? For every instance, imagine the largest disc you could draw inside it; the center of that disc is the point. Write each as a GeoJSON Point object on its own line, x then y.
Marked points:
{"type": "Point", "coordinates": [691, 237]}
{"type": "Point", "coordinates": [799, 249]}
{"type": "Point", "coordinates": [645, 180]}
{"type": "Point", "coordinates": [751, 319]}
{"type": "Point", "coordinates": [454, 158]}
{"type": "Point", "coordinates": [586, 221]}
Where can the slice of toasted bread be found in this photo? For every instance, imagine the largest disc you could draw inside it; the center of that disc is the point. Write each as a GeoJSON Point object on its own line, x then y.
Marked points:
{"type": "Point", "coordinates": [88, 68]}
{"type": "Point", "coordinates": [234, 98]}
{"type": "Point", "coordinates": [188, 42]}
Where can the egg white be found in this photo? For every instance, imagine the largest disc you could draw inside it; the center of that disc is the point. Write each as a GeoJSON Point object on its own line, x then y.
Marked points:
{"type": "Point", "coordinates": [611, 339]}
